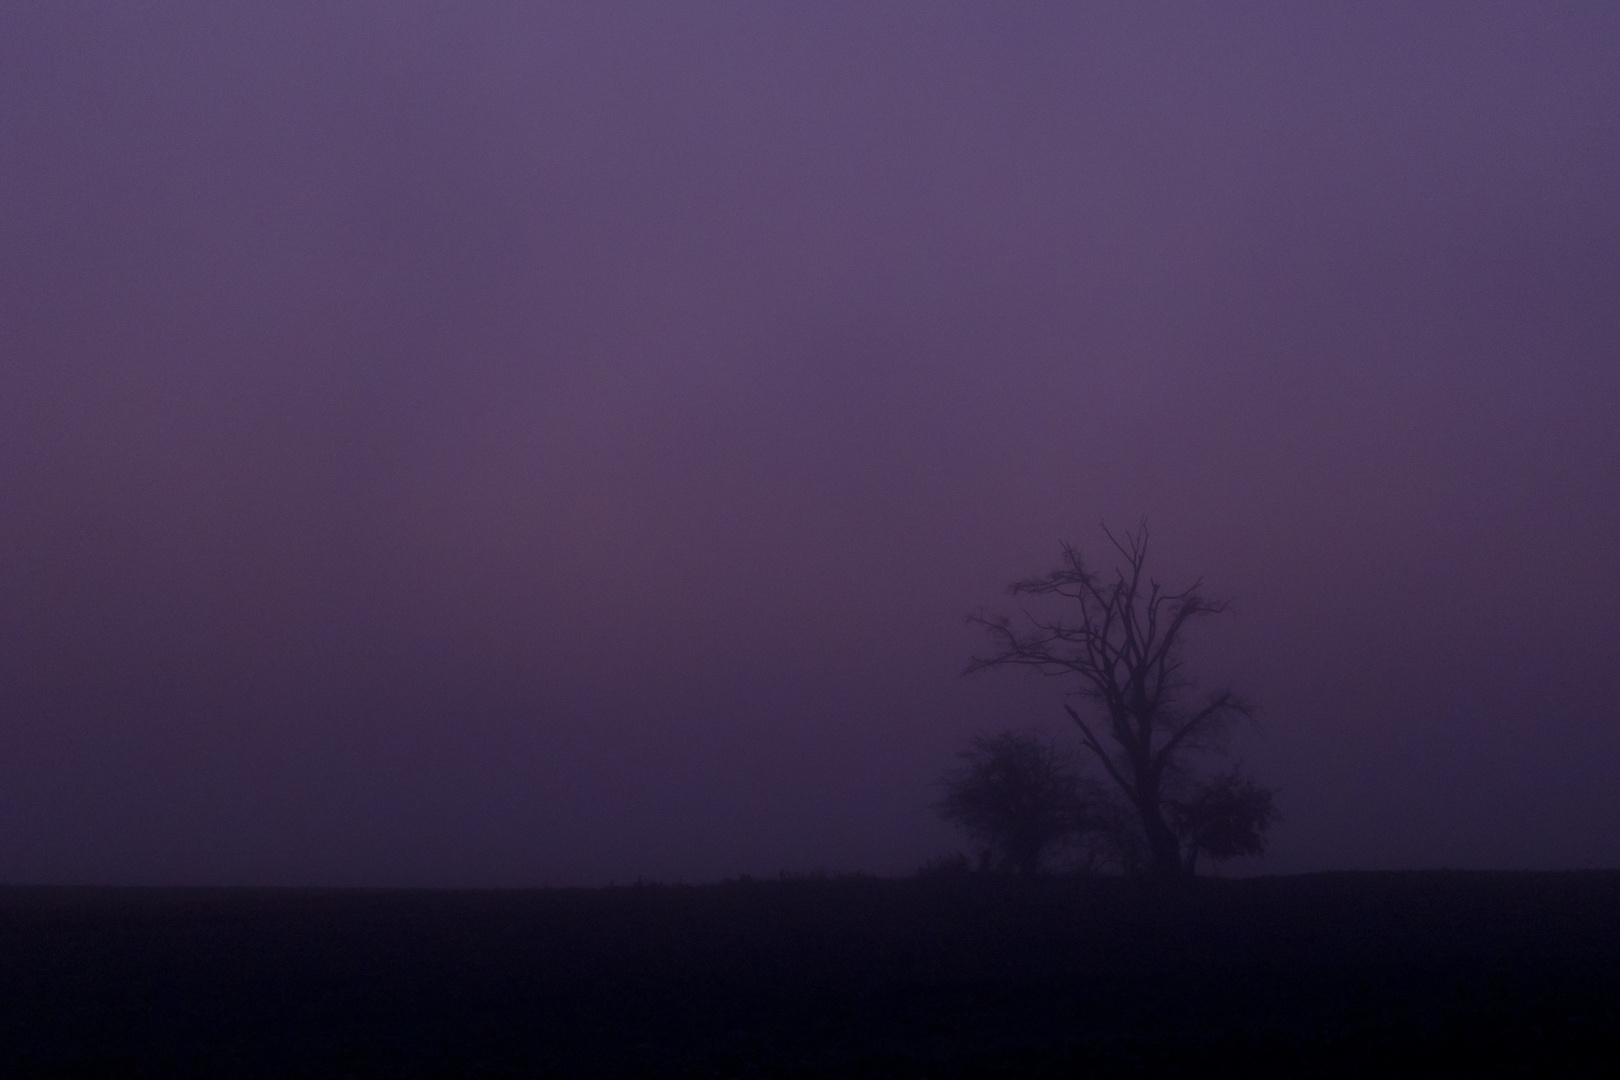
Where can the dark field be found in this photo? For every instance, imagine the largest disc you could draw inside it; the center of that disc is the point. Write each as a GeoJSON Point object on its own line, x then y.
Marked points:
{"type": "Point", "coordinates": [1339, 974]}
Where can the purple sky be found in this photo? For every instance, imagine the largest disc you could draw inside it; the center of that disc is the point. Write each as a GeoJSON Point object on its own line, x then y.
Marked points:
{"type": "Point", "coordinates": [505, 444]}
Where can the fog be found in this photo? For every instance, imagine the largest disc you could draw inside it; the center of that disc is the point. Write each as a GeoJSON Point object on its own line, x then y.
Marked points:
{"type": "Point", "coordinates": [510, 444]}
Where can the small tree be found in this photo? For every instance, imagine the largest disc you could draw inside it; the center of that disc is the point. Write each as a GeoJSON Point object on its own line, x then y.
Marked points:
{"type": "Point", "coordinates": [1021, 796]}
{"type": "Point", "coordinates": [1227, 816]}
{"type": "Point", "coordinates": [1121, 647]}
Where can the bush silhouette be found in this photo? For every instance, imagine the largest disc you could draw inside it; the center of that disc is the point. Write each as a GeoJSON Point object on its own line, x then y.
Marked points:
{"type": "Point", "coordinates": [1022, 796]}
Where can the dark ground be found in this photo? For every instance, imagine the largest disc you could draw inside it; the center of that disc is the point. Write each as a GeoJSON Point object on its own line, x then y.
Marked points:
{"type": "Point", "coordinates": [1466, 974]}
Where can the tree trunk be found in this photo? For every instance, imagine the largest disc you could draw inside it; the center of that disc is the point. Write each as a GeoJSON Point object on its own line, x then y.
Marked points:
{"type": "Point", "coordinates": [1164, 849]}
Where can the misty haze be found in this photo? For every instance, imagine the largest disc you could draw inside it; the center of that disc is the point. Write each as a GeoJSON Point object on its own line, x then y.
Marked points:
{"type": "Point", "coordinates": [550, 446]}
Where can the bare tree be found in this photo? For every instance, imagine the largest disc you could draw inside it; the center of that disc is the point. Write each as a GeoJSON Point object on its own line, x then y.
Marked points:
{"type": "Point", "coordinates": [1020, 795]}
{"type": "Point", "coordinates": [1121, 647]}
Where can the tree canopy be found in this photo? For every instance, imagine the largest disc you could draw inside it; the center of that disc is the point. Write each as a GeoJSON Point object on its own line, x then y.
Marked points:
{"type": "Point", "coordinates": [1021, 795]}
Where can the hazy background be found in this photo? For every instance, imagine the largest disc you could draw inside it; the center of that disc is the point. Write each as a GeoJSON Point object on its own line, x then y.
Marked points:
{"type": "Point", "coordinates": [505, 444]}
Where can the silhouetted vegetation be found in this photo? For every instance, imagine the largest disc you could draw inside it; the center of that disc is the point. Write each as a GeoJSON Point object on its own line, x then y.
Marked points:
{"type": "Point", "coordinates": [952, 975]}
{"type": "Point", "coordinates": [1225, 817]}
{"type": "Point", "coordinates": [1021, 797]}
{"type": "Point", "coordinates": [1119, 645]}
